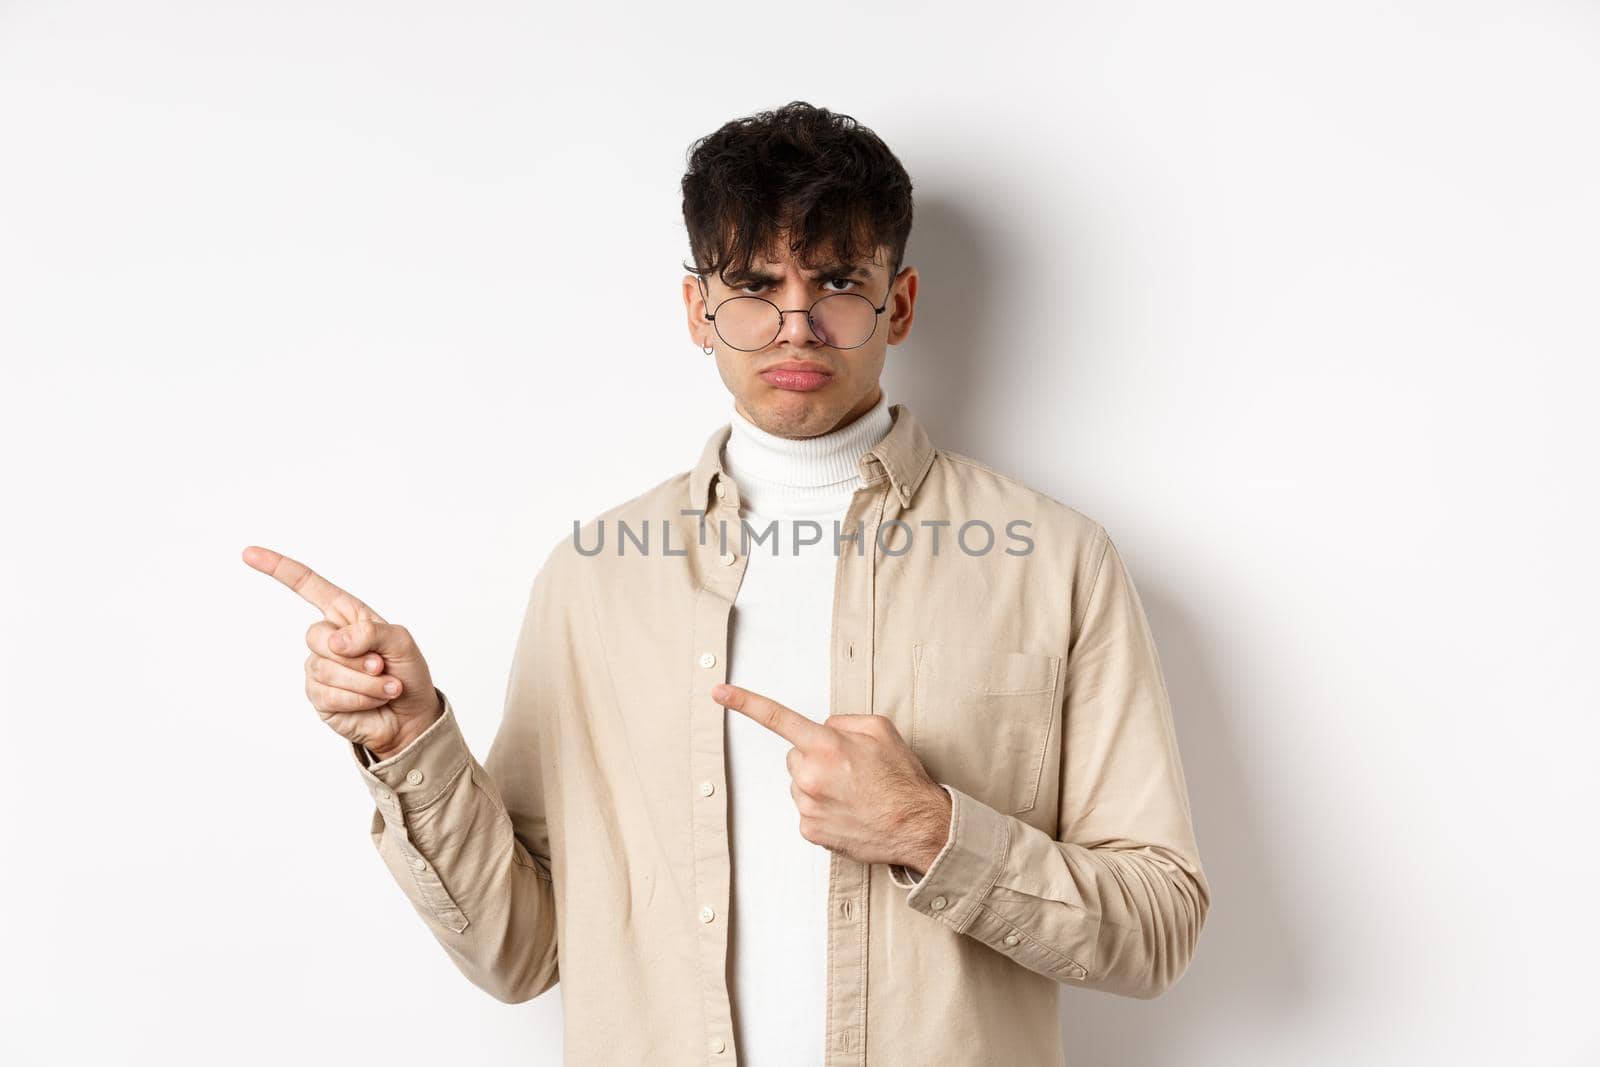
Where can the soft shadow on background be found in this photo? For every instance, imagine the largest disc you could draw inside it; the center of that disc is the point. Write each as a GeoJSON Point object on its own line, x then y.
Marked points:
{"type": "Point", "coordinates": [1245, 965]}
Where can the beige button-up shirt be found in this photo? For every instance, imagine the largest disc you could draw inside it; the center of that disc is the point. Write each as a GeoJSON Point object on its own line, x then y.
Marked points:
{"type": "Point", "coordinates": [997, 627]}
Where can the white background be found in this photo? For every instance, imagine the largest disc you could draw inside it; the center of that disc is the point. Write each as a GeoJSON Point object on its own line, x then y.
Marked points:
{"type": "Point", "coordinates": [1299, 300]}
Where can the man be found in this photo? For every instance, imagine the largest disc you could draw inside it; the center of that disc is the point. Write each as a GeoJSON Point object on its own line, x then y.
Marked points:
{"type": "Point", "coordinates": [837, 747]}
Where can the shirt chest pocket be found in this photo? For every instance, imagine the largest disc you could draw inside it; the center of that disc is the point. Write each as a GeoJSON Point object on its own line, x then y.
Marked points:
{"type": "Point", "coordinates": [981, 720]}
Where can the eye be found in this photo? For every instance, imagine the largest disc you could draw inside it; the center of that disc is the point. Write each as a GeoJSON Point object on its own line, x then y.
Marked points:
{"type": "Point", "coordinates": [845, 286]}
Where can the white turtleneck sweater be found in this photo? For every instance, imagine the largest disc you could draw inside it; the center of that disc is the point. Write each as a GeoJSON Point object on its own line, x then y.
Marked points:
{"type": "Point", "coordinates": [782, 623]}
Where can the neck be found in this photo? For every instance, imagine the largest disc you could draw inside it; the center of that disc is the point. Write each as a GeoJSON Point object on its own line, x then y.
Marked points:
{"type": "Point", "coordinates": [801, 477]}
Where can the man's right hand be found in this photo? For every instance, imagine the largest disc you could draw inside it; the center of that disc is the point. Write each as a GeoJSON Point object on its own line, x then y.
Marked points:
{"type": "Point", "coordinates": [356, 660]}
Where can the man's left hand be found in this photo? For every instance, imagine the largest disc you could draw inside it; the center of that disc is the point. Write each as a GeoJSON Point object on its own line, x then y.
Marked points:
{"type": "Point", "coordinates": [859, 788]}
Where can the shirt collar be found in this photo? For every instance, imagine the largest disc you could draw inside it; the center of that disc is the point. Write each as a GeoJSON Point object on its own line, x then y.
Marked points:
{"type": "Point", "coordinates": [904, 454]}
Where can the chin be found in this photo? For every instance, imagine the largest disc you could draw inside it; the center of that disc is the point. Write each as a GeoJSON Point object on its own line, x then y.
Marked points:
{"type": "Point", "coordinates": [791, 413]}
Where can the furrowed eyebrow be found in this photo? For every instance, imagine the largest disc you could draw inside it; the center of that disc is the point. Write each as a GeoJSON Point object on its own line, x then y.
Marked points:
{"type": "Point", "coordinates": [832, 270]}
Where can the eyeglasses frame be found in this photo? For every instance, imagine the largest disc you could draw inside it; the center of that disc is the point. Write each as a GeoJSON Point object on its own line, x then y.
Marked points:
{"type": "Point", "coordinates": [711, 316]}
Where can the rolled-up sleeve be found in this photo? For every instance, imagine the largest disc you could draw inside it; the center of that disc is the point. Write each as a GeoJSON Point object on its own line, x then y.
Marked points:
{"type": "Point", "coordinates": [1116, 900]}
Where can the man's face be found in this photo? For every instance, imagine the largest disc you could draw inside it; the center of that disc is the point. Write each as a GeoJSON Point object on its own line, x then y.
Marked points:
{"type": "Point", "coordinates": [797, 402]}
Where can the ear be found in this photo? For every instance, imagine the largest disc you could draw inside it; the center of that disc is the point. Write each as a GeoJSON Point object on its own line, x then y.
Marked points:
{"type": "Point", "coordinates": [694, 306]}
{"type": "Point", "coordinates": [902, 304]}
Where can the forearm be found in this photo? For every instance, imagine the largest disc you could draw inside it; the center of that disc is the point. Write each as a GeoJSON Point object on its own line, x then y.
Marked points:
{"type": "Point", "coordinates": [443, 831]}
{"type": "Point", "coordinates": [1125, 920]}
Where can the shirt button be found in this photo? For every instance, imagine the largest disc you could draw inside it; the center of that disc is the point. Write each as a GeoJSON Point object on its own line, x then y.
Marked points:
{"type": "Point", "coordinates": [706, 914]}
{"type": "Point", "coordinates": [1012, 939]}
{"type": "Point", "coordinates": [707, 787]}
{"type": "Point", "coordinates": [384, 794]}
{"type": "Point", "coordinates": [419, 863]}
{"type": "Point", "coordinates": [414, 777]}
{"type": "Point", "coordinates": [939, 903]}
{"type": "Point", "coordinates": [721, 491]}
{"type": "Point", "coordinates": [707, 659]}
{"type": "Point", "coordinates": [717, 1044]}
{"type": "Point", "coordinates": [728, 559]}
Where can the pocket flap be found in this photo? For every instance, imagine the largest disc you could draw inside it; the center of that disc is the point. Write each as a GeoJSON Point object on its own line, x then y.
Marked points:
{"type": "Point", "coordinates": [986, 670]}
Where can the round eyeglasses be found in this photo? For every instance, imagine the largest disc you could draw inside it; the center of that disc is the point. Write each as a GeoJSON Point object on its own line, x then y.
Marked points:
{"type": "Point", "coordinates": [838, 320]}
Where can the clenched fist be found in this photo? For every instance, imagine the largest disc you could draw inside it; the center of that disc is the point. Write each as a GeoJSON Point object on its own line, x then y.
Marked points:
{"type": "Point", "coordinates": [366, 677]}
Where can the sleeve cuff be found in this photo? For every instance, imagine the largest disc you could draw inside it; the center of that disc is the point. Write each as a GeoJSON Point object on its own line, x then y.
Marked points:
{"type": "Point", "coordinates": [418, 774]}
{"type": "Point", "coordinates": [961, 875]}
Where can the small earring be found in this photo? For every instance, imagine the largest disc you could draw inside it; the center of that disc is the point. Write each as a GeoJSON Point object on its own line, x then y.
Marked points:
{"type": "Point", "coordinates": [707, 349]}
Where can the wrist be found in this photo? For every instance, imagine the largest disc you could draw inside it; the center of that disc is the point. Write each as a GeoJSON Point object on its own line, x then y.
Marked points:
{"type": "Point", "coordinates": [402, 741]}
{"type": "Point", "coordinates": [380, 754]}
{"type": "Point", "coordinates": [932, 831]}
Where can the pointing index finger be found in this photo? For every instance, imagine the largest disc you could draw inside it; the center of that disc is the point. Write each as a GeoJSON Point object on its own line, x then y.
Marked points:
{"type": "Point", "coordinates": [312, 586]}
{"type": "Point", "coordinates": [787, 723]}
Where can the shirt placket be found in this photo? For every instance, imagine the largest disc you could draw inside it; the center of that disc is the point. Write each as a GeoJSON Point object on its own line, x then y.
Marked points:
{"type": "Point", "coordinates": [721, 563]}
{"type": "Point", "coordinates": [850, 692]}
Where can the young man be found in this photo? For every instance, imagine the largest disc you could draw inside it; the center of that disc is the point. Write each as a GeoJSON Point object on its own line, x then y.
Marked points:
{"type": "Point", "coordinates": [836, 748]}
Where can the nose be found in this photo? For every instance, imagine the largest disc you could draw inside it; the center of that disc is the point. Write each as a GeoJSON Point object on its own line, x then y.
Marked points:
{"type": "Point", "coordinates": [796, 329]}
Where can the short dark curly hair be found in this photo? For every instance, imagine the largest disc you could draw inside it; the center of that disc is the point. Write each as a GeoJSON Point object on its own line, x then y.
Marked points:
{"type": "Point", "coordinates": [822, 177]}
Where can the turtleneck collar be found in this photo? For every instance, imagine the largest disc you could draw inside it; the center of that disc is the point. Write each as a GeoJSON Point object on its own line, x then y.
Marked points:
{"type": "Point", "coordinates": [807, 477]}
